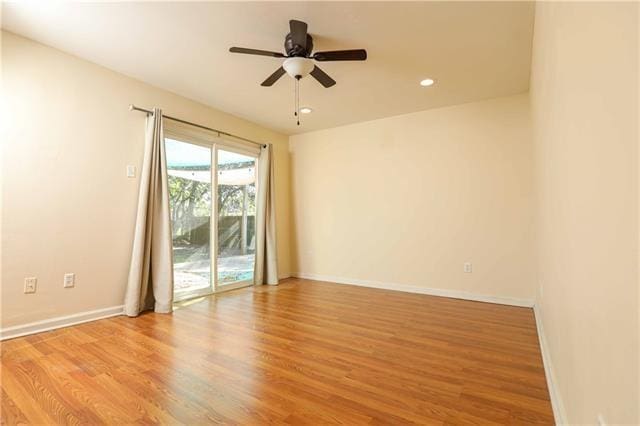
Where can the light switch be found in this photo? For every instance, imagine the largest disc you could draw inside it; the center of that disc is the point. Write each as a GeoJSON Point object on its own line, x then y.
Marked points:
{"type": "Point", "coordinates": [30, 284]}
{"type": "Point", "coordinates": [131, 171]}
{"type": "Point", "coordinates": [69, 280]}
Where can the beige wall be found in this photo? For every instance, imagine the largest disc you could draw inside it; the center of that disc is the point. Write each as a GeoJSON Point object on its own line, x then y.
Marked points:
{"type": "Point", "coordinates": [407, 200]}
{"type": "Point", "coordinates": [67, 203]}
{"type": "Point", "coordinates": [584, 92]}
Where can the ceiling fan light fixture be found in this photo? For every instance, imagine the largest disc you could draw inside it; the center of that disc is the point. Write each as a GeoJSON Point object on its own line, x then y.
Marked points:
{"type": "Point", "coordinates": [306, 110]}
{"type": "Point", "coordinates": [427, 82]}
{"type": "Point", "coordinates": [298, 66]}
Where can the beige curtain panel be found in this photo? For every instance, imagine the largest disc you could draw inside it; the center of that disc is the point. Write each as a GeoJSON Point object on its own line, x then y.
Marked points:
{"type": "Point", "coordinates": [150, 283]}
{"type": "Point", "coordinates": [266, 266]}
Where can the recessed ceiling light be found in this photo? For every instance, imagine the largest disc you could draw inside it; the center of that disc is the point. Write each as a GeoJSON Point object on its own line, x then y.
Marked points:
{"type": "Point", "coordinates": [427, 82]}
{"type": "Point", "coordinates": [306, 110]}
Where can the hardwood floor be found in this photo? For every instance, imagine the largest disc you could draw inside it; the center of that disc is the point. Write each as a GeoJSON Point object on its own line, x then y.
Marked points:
{"type": "Point", "coordinates": [305, 352]}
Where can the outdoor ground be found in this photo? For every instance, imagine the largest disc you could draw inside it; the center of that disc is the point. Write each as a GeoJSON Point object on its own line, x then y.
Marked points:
{"type": "Point", "coordinates": [192, 275]}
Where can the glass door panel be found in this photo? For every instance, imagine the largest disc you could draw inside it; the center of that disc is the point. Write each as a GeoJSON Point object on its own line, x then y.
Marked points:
{"type": "Point", "coordinates": [189, 170]}
{"type": "Point", "coordinates": [236, 179]}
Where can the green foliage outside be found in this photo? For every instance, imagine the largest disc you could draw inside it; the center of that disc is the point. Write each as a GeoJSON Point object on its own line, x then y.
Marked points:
{"type": "Point", "coordinates": [190, 203]}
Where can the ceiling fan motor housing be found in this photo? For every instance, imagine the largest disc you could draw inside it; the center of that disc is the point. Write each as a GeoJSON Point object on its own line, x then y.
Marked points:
{"type": "Point", "coordinates": [297, 50]}
{"type": "Point", "coordinates": [298, 67]}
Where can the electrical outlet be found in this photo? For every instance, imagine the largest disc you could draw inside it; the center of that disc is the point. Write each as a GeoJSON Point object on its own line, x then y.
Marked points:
{"type": "Point", "coordinates": [30, 284]}
{"type": "Point", "coordinates": [69, 280]}
{"type": "Point", "coordinates": [468, 267]}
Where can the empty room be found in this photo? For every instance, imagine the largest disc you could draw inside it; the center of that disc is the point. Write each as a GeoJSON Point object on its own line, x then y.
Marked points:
{"type": "Point", "coordinates": [368, 212]}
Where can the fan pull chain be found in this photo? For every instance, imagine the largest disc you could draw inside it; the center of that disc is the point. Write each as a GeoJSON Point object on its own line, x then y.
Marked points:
{"type": "Point", "coordinates": [297, 100]}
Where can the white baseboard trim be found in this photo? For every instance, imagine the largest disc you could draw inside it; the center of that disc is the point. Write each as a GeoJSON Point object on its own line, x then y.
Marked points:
{"type": "Point", "coordinates": [284, 276]}
{"type": "Point", "coordinates": [59, 322]}
{"type": "Point", "coordinates": [554, 395]}
{"type": "Point", "coordinates": [455, 294]}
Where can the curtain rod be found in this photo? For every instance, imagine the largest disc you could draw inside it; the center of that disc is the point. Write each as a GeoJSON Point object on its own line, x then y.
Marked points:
{"type": "Point", "coordinates": [132, 107]}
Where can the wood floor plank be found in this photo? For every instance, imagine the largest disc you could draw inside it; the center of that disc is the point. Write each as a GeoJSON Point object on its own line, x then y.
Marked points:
{"type": "Point", "coordinates": [304, 352]}
{"type": "Point", "coordinates": [11, 413]}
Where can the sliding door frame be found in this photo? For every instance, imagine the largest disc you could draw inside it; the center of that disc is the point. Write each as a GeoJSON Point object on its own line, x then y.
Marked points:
{"type": "Point", "coordinates": [195, 136]}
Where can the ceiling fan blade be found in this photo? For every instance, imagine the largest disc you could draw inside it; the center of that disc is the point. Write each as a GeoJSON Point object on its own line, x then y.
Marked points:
{"type": "Point", "coordinates": [341, 55]}
{"type": "Point", "coordinates": [298, 33]}
{"type": "Point", "coordinates": [273, 77]}
{"type": "Point", "coordinates": [256, 52]}
{"type": "Point", "coordinates": [322, 77]}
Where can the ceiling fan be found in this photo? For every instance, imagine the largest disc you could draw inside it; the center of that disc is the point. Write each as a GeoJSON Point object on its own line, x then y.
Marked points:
{"type": "Point", "coordinates": [299, 63]}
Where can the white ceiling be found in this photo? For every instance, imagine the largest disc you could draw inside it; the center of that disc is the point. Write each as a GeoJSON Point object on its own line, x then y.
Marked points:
{"type": "Point", "coordinates": [474, 50]}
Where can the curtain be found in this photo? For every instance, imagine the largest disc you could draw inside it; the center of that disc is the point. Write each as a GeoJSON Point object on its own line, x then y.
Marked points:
{"type": "Point", "coordinates": [266, 265]}
{"type": "Point", "coordinates": [150, 284]}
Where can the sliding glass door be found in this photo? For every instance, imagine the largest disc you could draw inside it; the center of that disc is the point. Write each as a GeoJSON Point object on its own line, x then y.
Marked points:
{"type": "Point", "coordinates": [190, 199]}
{"type": "Point", "coordinates": [203, 225]}
{"type": "Point", "coordinates": [236, 180]}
